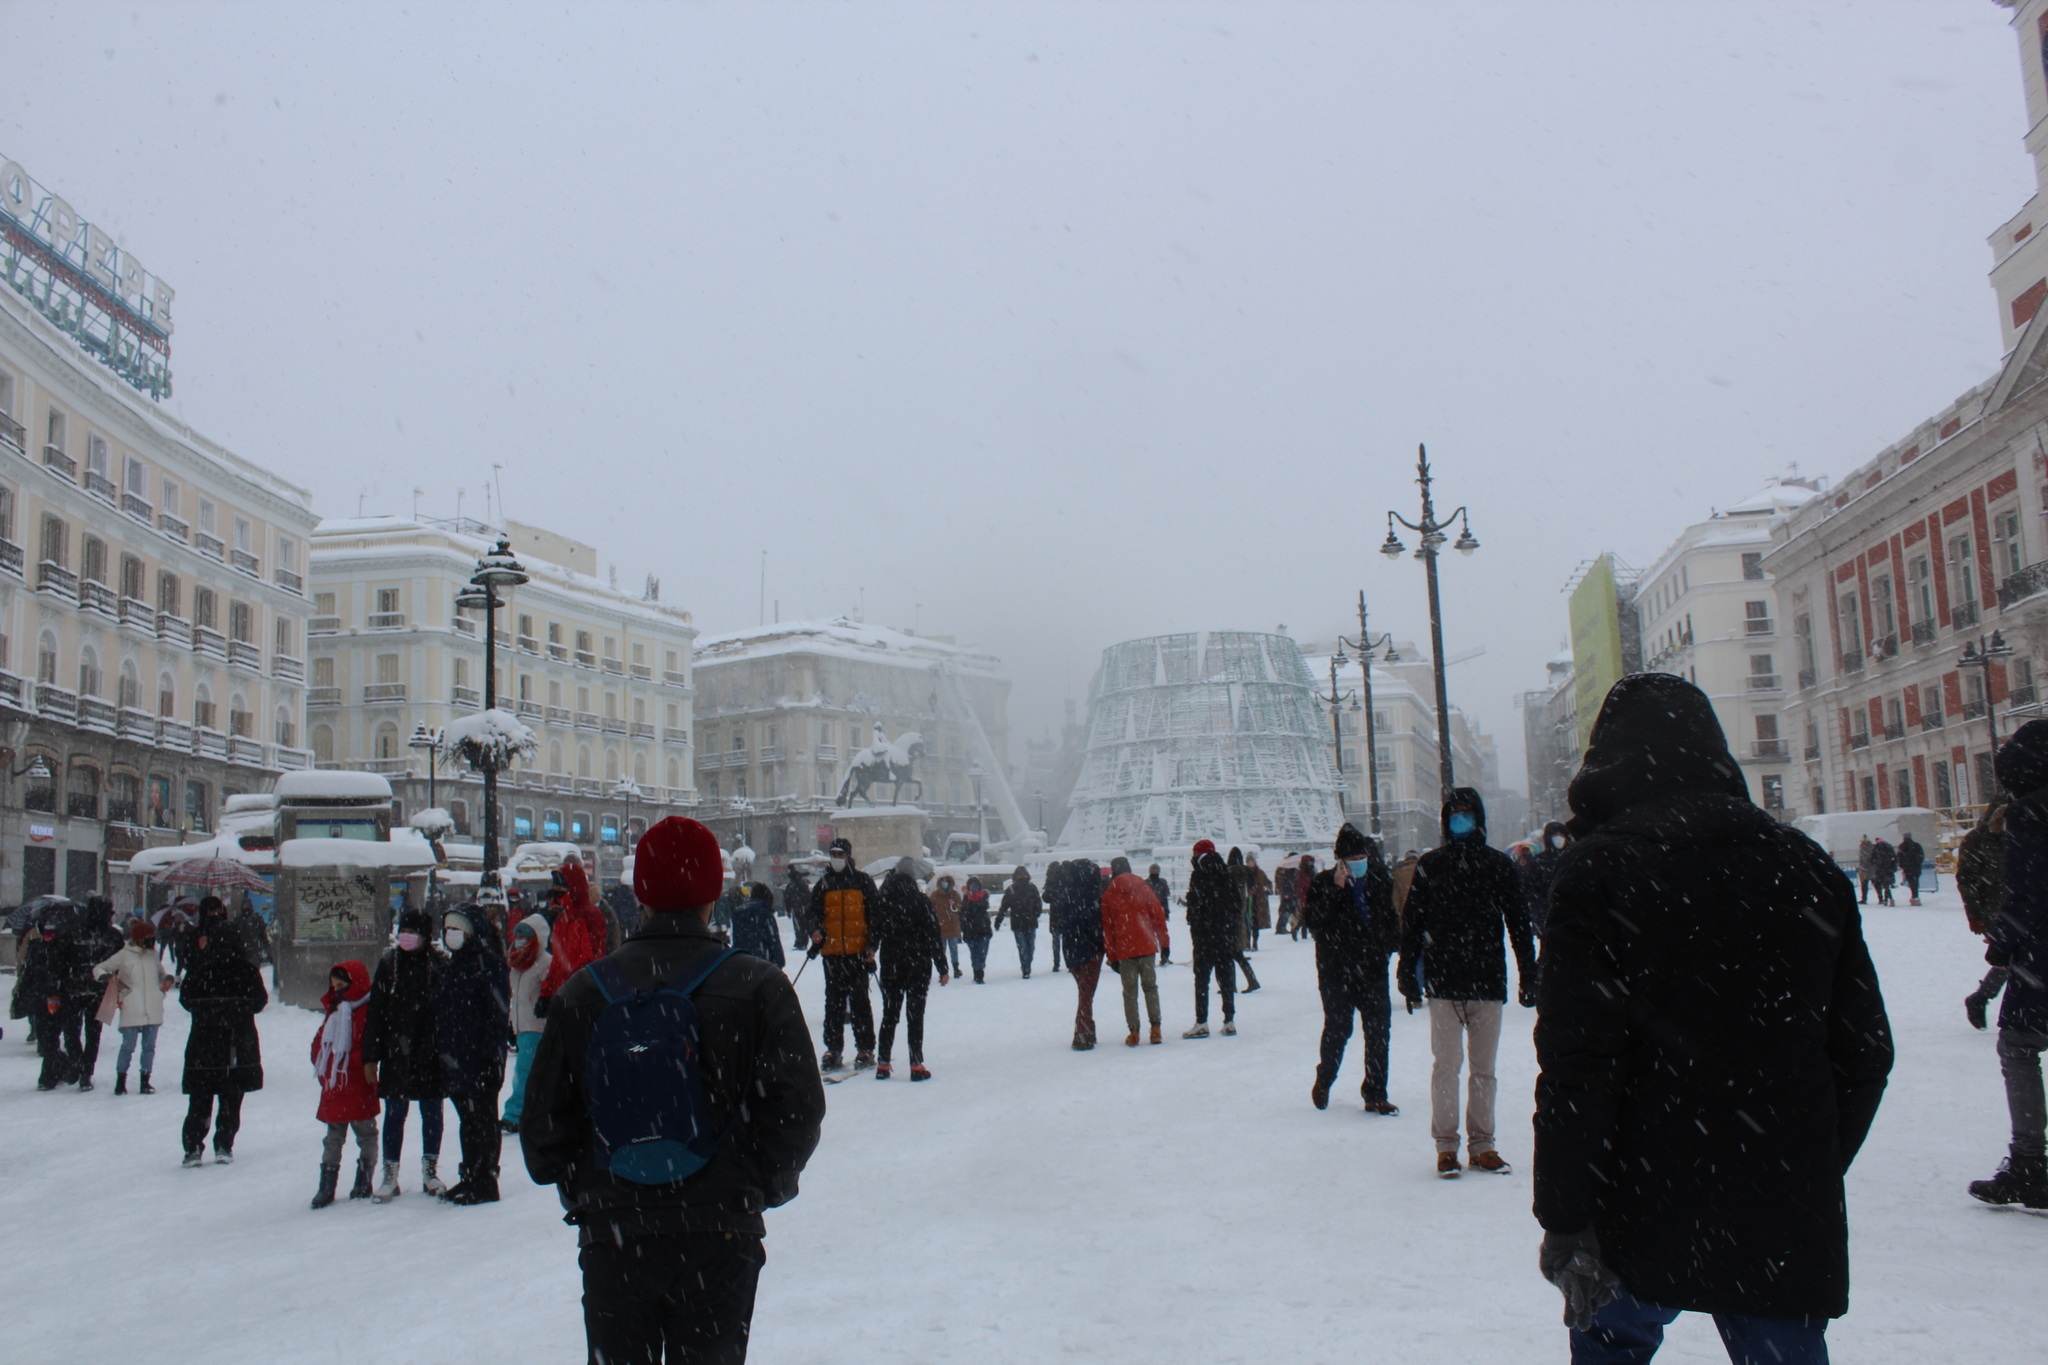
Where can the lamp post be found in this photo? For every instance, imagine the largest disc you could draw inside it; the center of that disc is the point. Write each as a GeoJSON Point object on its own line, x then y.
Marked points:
{"type": "Point", "coordinates": [1981, 655]}
{"type": "Point", "coordinates": [1336, 701]}
{"type": "Point", "coordinates": [980, 815]}
{"type": "Point", "coordinates": [628, 791]}
{"type": "Point", "coordinates": [495, 570]}
{"type": "Point", "coordinates": [429, 740]}
{"type": "Point", "coordinates": [1368, 654]}
{"type": "Point", "coordinates": [1431, 531]}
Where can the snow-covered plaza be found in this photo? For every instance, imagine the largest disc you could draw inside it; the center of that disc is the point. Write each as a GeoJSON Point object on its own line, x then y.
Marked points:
{"type": "Point", "coordinates": [1182, 1203]}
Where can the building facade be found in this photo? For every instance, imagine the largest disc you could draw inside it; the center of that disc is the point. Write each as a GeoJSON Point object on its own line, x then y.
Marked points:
{"type": "Point", "coordinates": [605, 679]}
{"type": "Point", "coordinates": [1550, 736]}
{"type": "Point", "coordinates": [152, 619]}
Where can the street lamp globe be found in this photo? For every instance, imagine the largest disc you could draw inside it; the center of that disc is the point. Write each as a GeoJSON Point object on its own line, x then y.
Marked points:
{"type": "Point", "coordinates": [499, 569]}
{"type": "Point", "coordinates": [1392, 547]}
{"type": "Point", "coordinates": [1466, 542]}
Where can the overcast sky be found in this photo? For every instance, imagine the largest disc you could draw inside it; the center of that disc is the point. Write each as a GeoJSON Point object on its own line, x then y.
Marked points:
{"type": "Point", "coordinates": [1053, 325]}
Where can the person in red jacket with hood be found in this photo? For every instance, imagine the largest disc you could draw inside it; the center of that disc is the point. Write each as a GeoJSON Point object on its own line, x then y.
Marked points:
{"type": "Point", "coordinates": [1133, 933]}
{"type": "Point", "coordinates": [577, 936]}
{"type": "Point", "coordinates": [348, 1084]}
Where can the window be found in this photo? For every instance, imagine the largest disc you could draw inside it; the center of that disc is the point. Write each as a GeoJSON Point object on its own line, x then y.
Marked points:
{"type": "Point", "coordinates": [166, 696]}
{"type": "Point", "coordinates": [583, 642]}
{"type": "Point", "coordinates": [551, 824]}
{"type": "Point", "coordinates": [555, 694]}
{"type": "Point", "coordinates": [387, 668]}
{"type": "Point", "coordinates": [640, 655]}
{"type": "Point", "coordinates": [387, 601]}
{"type": "Point", "coordinates": [583, 760]}
{"type": "Point", "coordinates": [1762, 676]}
{"type": "Point", "coordinates": [1937, 773]}
{"type": "Point", "coordinates": [137, 478]}
{"type": "Point", "coordinates": [54, 430]}
{"type": "Point", "coordinates": [1753, 566]}
{"type": "Point", "coordinates": [675, 777]}
{"type": "Point", "coordinates": [56, 541]}
{"type": "Point", "coordinates": [287, 635]}
{"type": "Point", "coordinates": [1774, 792]}
{"type": "Point", "coordinates": [2022, 679]}
{"type": "Point", "coordinates": [323, 672]}
{"type": "Point", "coordinates": [1903, 781]}
{"type": "Point", "coordinates": [46, 660]}
{"type": "Point", "coordinates": [1852, 628]}
{"type": "Point", "coordinates": [6, 513]}
{"type": "Point", "coordinates": [92, 560]}
{"type": "Point", "coordinates": [1881, 602]}
{"type": "Point", "coordinates": [171, 493]}
{"type": "Point", "coordinates": [579, 827]}
{"type": "Point", "coordinates": [2007, 556]}
{"type": "Point", "coordinates": [195, 806]}
{"type": "Point", "coordinates": [608, 828]}
{"type": "Point", "coordinates": [555, 758]}
{"type": "Point", "coordinates": [640, 769]}
{"type": "Point", "coordinates": [323, 744]}
{"type": "Point", "coordinates": [128, 690]}
{"type": "Point", "coordinates": [7, 393]}
{"type": "Point", "coordinates": [202, 708]}
{"type": "Point", "coordinates": [96, 456]}
{"type": "Point", "coordinates": [205, 608]}
{"type": "Point", "coordinates": [287, 554]}
{"type": "Point", "coordinates": [167, 593]}
{"type": "Point", "coordinates": [1962, 570]}
{"type": "Point", "coordinates": [82, 797]}
{"type": "Point", "coordinates": [458, 811]}
{"type": "Point", "coordinates": [245, 539]}
{"type": "Point", "coordinates": [88, 672]}
{"type": "Point", "coordinates": [387, 741]}
{"type": "Point", "coordinates": [131, 578]}
{"type": "Point", "coordinates": [522, 822]}
{"type": "Point", "coordinates": [206, 516]}
{"type": "Point", "coordinates": [1870, 793]}
{"type": "Point", "coordinates": [323, 604]}
{"type": "Point", "coordinates": [1894, 719]}
{"type": "Point", "coordinates": [241, 622]}
{"type": "Point", "coordinates": [1930, 706]}
{"type": "Point", "coordinates": [611, 647]}
{"type": "Point", "coordinates": [554, 632]}
{"type": "Point", "coordinates": [639, 710]}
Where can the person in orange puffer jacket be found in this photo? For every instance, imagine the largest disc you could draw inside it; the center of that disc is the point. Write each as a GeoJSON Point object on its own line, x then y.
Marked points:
{"type": "Point", "coordinates": [348, 1084]}
{"type": "Point", "coordinates": [1133, 934]}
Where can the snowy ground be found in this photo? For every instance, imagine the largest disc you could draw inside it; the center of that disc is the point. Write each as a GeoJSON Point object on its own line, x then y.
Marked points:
{"type": "Point", "coordinates": [1180, 1203]}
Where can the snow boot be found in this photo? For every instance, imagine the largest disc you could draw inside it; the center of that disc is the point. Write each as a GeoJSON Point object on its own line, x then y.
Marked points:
{"type": "Point", "coordinates": [882, 1071]}
{"type": "Point", "coordinates": [1319, 1095]}
{"type": "Point", "coordinates": [1381, 1107]}
{"type": "Point", "coordinates": [84, 1084]}
{"type": "Point", "coordinates": [120, 1082]}
{"type": "Point", "coordinates": [145, 1088]}
{"type": "Point", "coordinates": [2020, 1180]}
{"type": "Point", "coordinates": [362, 1189]}
{"type": "Point", "coordinates": [509, 1126]}
{"type": "Point", "coordinates": [920, 1072]}
{"type": "Point", "coordinates": [863, 1060]}
{"type": "Point", "coordinates": [430, 1178]}
{"type": "Point", "coordinates": [831, 1061]}
{"type": "Point", "coordinates": [469, 1192]}
{"type": "Point", "coordinates": [1974, 1006]}
{"type": "Point", "coordinates": [387, 1184]}
{"type": "Point", "coordinates": [191, 1157]}
{"type": "Point", "coordinates": [1490, 1162]}
{"type": "Point", "coordinates": [1447, 1165]}
{"type": "Point", "coordinates": [978, 980]}
{"type": "Point", "coordinates": [1229, 1029]}
{"type": "Point", "coordinates": [329, 1176]}
{"type": "Point", "coordinates": [1131, 1038]}
{"type": "Point", "coordinates": [223, 1156]}
{"type": "Point", "coordinates": [1198, 1031]}
{"type": "Point", "coordinates": [1155, 1034]}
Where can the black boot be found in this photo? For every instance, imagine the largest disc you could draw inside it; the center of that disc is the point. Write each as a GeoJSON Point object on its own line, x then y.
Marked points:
{"type": "Point", "coordinates": [2020, 1180]}
{"type": "Point", "coordinates": [120, 1082]}
{"type": "Point", "coordinates": [365, 1164]}
{"type": "Point", "coordinates": [329, 1175]}
{"type": "Point", "coordinates": [146, 1088]}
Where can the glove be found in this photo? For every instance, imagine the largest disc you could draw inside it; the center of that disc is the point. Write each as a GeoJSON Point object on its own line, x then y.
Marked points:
{"type": "Point", "coordinates": [1571, 1261]}
{"type": "Point", "coordinates": [540, 1007]}
{"type": "Point", "coordinates": [1412, 1001]}
{"type": "Point", "coordinates": [1526, 994]}
{"type": "Point", "coordinates": [812, 953]}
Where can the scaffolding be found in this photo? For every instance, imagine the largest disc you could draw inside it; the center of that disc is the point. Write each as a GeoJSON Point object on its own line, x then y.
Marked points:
{"type": "Point", "coordinates": [1211, 735]}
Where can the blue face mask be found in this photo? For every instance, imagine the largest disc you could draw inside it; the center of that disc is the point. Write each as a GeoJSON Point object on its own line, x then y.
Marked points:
{"type": "Point", "coordinates": [1358, 866]}
{"type": "Point", "coordinates": [1463, 823]}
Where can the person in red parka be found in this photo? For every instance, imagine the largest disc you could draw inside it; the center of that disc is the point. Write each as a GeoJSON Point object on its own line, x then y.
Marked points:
{"type": "Point", "coordinates": [348, 1084]}
{"type": "Point", "coordinates": [1133, 934]}
{"type": "Point", "coordinates": [576, 938]}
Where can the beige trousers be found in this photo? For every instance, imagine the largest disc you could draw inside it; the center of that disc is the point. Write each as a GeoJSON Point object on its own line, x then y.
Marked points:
{"type": "Point", "coordinates": [1137, 971]}
{"type": "Point", "coordinates": [1451, 1022]}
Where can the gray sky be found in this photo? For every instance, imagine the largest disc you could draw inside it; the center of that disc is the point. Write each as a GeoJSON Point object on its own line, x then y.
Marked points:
{"type": "Point", "coordinates": [1069, 322]}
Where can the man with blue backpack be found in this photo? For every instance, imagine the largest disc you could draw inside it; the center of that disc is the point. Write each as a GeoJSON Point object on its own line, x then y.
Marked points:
{"type": "Point", "coordinates": [674, 1096]}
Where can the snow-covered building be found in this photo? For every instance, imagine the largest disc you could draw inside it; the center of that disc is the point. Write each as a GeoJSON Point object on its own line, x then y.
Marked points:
{"type": "Point", "coordinates": [783, 708]}
{"type": "Point", "coordinates": [1707, 611]}
{"type": "Point", "coordinates": [603, 678]}
{"type": "Point", "coordinates": [151, 605]}
{"type": "Point", "coordinates": [1211, 734]}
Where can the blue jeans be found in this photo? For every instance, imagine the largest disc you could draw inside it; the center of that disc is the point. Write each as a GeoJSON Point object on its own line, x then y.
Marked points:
{"type": "Point", "coordinates": [1027, 943]}
{"type": "Point", "coordinates": [529, 1043]}
{"type": "Point", "coordinates": [1628, 1332]}
{"type": "Point", "coordinates": [977, 951]}
{"type": "Point", "coordinates": [953, 952]}
{"type": "Point", "coordinates": [394, 1127]}
{"type": "Point", "coordinates": [147, 1033]}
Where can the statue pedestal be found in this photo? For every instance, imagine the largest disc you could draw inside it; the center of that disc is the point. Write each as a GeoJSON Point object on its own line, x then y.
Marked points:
{"type": "Point", "coordinates": [881, 831]}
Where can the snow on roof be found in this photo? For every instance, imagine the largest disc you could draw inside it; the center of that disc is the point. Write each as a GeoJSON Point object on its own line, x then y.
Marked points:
{"type": "Point", "coordinates": [355, 853]}
{"type": "Point", "coordinates": [843, 638]}
{"type": "Point", "coordinates": [322, 784]}
{"type": "Point", "coordinates": [1773, 498]}
{"type": "Point", "coordinates": [246, 801]}
{"type": "Point", "coordinates": [155, 860]}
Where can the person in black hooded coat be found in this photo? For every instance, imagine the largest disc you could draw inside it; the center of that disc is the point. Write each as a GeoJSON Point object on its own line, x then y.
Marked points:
{"type": "Point", "coordinates": [1351, 914]}
{"type": "Point", "coordinates": [1541, 872]}
{"type": "Point", "coordinates": [56, 985]}
{"type": "Point", "coordinates": [1712, 1043]}
{"type": "Point", "coordinates": [98, 940]}
{"type": "Point", "coordinates": [223, 992]}
{"type": "Point", "coordinates": [2019, 936]}
{"type": "Point", "coordinates": [1214, 914]}
{"type": "Point", "coordinates": [906, 934]}
{"type": "Point", "coordinates": [472, 1023]}
{"type": "Point", "coordinates": [399, 1042]}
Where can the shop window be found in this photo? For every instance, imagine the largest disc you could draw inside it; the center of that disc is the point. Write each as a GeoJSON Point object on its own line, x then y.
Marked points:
{"type": "Point", "coordinates": [196, 808]}
{"type": "Point", "coordinates": [522, 822]}
{"type": "Point", "coordinates": [551, 824]}
{"type": "Point", "coordinates": [124, 798]}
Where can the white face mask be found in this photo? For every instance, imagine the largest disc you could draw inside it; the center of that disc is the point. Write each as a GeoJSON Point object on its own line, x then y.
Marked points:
{"type": "Point", "coordinates": [454, 938]}
{"type": "Point", "coordinates": [1557, 841]}
{"type": "Point", "coordinates": [839, 864]}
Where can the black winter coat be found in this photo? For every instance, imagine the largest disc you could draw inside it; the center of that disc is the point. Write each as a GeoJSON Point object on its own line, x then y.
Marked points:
{"type": "Point", "coordinates": [2021, 930]}
{"type": "Point", "coordinates": [760, 1077]}
{"type": "Point", "coordinates": [60, 966]}
{"type": "Point", "coordinates": [974, 915]}
{"type": "Point", "coordinates": [905, 933]}
{"type": "Point", "coordinates": [1541, 872]}
{"type": "Point", "coordinates": [1352, 949]}
{"type": "Point", "coordinates": [1021, 906]}
{"type": "Point", "coordinates": [399, 1035]}
{"type": "Point", "coordinates": [1711, 1036]}
{"type": "Point", "coordinates": [1077, 911]}
{"type": "Point", "coordinates": [471, 1017]}
{"type": "Point", "coordinates": [1884, 861]}
{"type": "Point", "coordinates": [1162, 893]}
{"type": "Point", "coordinates": [223, 992]}
{"type": "Point", "coordinates": [1912, 857]}
{"type": "Point", "coordinates": [1215, 910]}
{"type": "Point", "coordinates": [1463, 896]}
{"type": "Point", "coordinates": [753, 928]}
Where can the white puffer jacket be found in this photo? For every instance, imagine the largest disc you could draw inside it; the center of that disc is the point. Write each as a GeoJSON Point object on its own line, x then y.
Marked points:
{"type": "Point", "coordinates": [142, 981]}
{"type": "Point", "coordinates": [526, 984]}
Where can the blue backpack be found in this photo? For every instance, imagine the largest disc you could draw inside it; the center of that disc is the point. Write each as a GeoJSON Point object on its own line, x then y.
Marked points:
{"type": "Point", "coordinates": [647, 1081]}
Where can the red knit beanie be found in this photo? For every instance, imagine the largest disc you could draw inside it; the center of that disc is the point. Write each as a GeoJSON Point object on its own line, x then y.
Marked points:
{"type": "Point", "coordinates": [677, 866]}
{"type": "Point", "coordinates": [1205, 846]}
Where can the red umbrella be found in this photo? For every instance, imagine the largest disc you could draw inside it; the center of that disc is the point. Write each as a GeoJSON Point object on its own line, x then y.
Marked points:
{"type": "Point", "coordinates": [213, 874]}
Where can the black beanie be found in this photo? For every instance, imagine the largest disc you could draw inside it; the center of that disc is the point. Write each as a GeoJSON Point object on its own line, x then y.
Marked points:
{"type": "Point", "coordinates": [1350, 842]}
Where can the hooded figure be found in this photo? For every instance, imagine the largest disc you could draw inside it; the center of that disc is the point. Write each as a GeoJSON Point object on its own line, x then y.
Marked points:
{"type": "Point", "coordinates": [348, 1088]}
{"type": "Point", "coordinates": [1350, 911]}
{"type": "Point", "coordinates": [1712, 1043]}
{"type": "Point", "coordinates": [1463, 896]}
{"type": "Point", "coordinates": [472, 1024]}
{"type": "Point", "coordinates": [975, 928]}
{"type": "Point", "coordinates": [529, 961]}
{"type": "Point", "coordinates": [400, 1040]}
{"type": "Point", "coordinates": [223, 992]}
{"type": "Point", "coordinates": [945, 900]}
{"type": "Point", "coordinates": [1215, 912]}
{"type": "Point", "coordinates": [1542, 871]}
{"type": "Point", "coordinates": [1077, 915]}
{"type": "Point", "coordinates": [906, 934]}
{"type": "Point", "coordinates": [753, 925]}
{"type": "Point", "coordinates": [1022, 906]}
{"type": "Point", "coordinates": [140, 983]}
{"type": "Point", "coordinates": [56, 984]}
{"type": "Point", "coordinates": [2019, 942]}
{"type": "Point", "coordinates": [577, 935]}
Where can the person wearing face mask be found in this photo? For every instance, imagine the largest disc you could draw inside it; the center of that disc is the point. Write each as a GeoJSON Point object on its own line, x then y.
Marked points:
{"type": "Point", "coordinates": [1541, 872]}
{"type": "Point", "coordinates": [946, 905]}
{"type": "Point", "coordinates": [841, 903]}
{"type": "Point", "coordinates": [1463, 896]}
{"type": "Point", "coordinates": [223, 992]}
{"type": "Point", "coordinates": [472, 1020]}
{"type": "Point", "coordinates": [1349, 910]}
{"type": "Point", "coordinates": [529, 961]}
{"type": "Point", "coordinates": [399, 1040]}
{"type": "Point", "coordinates": [1021, 906]}
{"type": "Point", "coordinates": [57, 984]}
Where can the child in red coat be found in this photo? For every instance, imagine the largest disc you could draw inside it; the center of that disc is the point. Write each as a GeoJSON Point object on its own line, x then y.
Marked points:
{"type": "Point", "coordinates": [348, 1085]}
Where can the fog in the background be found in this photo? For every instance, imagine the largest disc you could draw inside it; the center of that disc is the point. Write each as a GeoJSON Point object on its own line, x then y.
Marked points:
{"type": "Point", "coordinates": [1051, 325]}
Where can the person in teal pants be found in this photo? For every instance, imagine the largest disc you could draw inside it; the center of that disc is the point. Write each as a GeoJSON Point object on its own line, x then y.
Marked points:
{"type": "Point", "coordinates": [529, 960]}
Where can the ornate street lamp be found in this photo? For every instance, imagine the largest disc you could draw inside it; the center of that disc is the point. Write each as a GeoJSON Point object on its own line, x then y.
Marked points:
{"type": "Point", "coordinates": [431, 742]}
{"type": "Point", "coordinates": [1335, 701]}
{"type": "Point", "coordinates": [495, 570]}
{"type": "Point", "coordinates": [1431, 531]}
{"type": "Point", "coordinates": [626, 790]}
{"type": "Point", "coordinates": [1368, 654]}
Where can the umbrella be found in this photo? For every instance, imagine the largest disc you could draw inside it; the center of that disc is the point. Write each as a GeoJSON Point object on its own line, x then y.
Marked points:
{"type": "Point", "coordinates": [1292, 860]}
{"type": "Point", "coordinates": [919, 867]}
{"type": "Point", "coordinates": [213, 874]}
{"type": "Point", "coordinates": [28, 912]}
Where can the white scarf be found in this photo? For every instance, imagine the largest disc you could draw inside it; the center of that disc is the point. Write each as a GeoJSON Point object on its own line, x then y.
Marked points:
{"type": "Point", "coordinates": [337, 1040]}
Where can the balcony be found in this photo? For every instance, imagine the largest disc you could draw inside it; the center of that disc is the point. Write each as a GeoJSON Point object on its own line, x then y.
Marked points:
{"type": "Point", "coordinates": [57, 703]}
{"type": "Point", "coordinates": [1758, 625]}
{"type": "Point", "coordinates": [291, 583]}
{"type": "Point", "coordinates": [1896, 731]}
{"type": "Point", "coordinates": [11, 686]}
{"type": "Point", "coordinates": [138, 615]}
{"type": "Point", "coordinates": [323, 696]}
{"type": "Point", "coordinates": [2024, 584]}
{"type": "Point", "coordinates": [1973, 710]}
{"type": "Point", "coordinates": [95, 714]}
{"type": "Point", "coordinates": [1813, 753]}
{"type": "Point", "coordinates": [97, 596]}
{"type": "Point", "coordinates": [558, 715]}
{"type": "Point", "coordinates": [173, 734]}
{"type": "Point", "coordinates": [827, 753]}
{"type": "Point", "coordinates": [558, 652]}
{"type": "Point", "coordinates": [1861, 741]}
{"type": "Point", "coordinates": [12, 559]}
{"type": "Point", "coordinates": [1963, 616]}
{"type": "Point", "coordinates": [53, 577]}
{"type": "Point", "coordinates": [386, 620]}
{"type": "Point", "coordinates": [137, 508]}
{"type": "Point", "coordinates": [208, 742]}
{"type": "Point", "coordinates": [1923, 633]}
{"type": "Point", "coordinates": [174, 630]}
{"type": "Point", "coordinates": [589, 786]}
{"type": "Point", "coordinates": [2021, 696]}
{"type": "Point", "coordinates": [672, 678]}
{"type": "Point", "coordinates": [561, 782]}
{"type": "Point", "coordinates": [242, 654]}
{"type": "Point", "coordinates": [641, 671]}
{"type": "Point", "coordinates": [290, 759]}
{"type": "Point", "coordinates": [616, 666]}
{"type": "Point", "coordinates": [586, 720]}
{"type": "Point", "coordinates": [1808, 679]}
{"type": "Point", "coordinates": [286, 667]}
{"type": "Point", "coordinates": [173, 527]}
{"type": "Point", "coordinates": [1887, 648]}
{"type": "Point", "coordinates": [209, 544]}
{"type": "Point", "coordinates": [245, 751]}
{"type": "Point", "coordinates": [1853, 663]}
{"type": "Point", "coordinates": [13, 433]}
{"type": "Point", "coordinates": [1767, 748]}
{"type": "Point", "coordinates": [57, 462]}
{"type": "Point", "coordinates": [323, 625]}
{"type": "Point", "coordinates": [771, 753]}
{"type": "Point", "coordinates": [642, 730]}
{"type": "Point", "coordinates": [527, 706]}
{"type": "Point", "coordinates": [528, 645]}
{"type": "Point", "coordinates": [1763, 682]}
{"type": "Point", "coordinates": [463, 625]}
{"type": "Point", "coordinates": [136, 724]}
{"type": "Point", "coordinates": [1930, 720]}
{"type": "Point", "coordinates": [612, 725]}
{"type": "Point", "coordinates": [101, 487]}
{"type": "Point", "coordinates": [465, 696]}
{"type": "Point", "coordinates": [375, 694]}
{"type": "Point", "coordinates": [586, 659]}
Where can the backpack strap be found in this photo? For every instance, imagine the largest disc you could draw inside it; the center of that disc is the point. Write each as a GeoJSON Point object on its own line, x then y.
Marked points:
{"type": "Point", "coordinates": [713, 965]}
{"type": "Point", "coordinates": [606, 974]}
